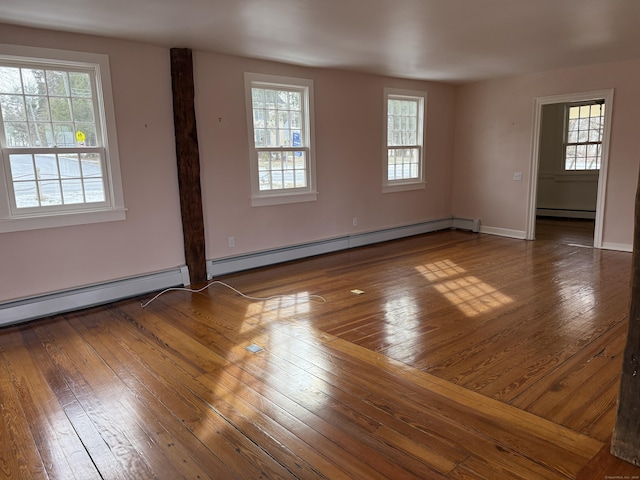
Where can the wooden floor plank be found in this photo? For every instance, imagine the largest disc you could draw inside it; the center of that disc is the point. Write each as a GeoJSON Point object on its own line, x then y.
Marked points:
{"type": "Point", "coordinates": [19, 456]}
{"type": "Point", "coordinates": [63, 453]}
{"type": "Point", "coordinates": [155, 403]}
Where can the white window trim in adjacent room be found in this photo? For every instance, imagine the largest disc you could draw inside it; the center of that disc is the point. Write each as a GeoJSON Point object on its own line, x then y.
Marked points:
{"type": "Point", "coordinates": [112, 208]}
{"type": "Point", "coordinates": [275, 196]}
{"type": "Point", "coordinates": [587, 143]}
{"type": "Point", "coordinates": [417, 182]}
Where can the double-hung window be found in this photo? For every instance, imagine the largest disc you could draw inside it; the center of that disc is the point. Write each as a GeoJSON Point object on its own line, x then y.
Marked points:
{"type": "Point", "coordinates": [583, 136]}
{"type": "Point", "coordinates": [57, 140]}
{"type": "Point", "coordinates": [403, 160]}
{"type": "Point", "coordinates": [280, 124]}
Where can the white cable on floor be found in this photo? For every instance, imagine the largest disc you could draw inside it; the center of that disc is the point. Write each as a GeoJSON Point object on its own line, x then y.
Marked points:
{"type": "Point", "coordinates": [183, 289]}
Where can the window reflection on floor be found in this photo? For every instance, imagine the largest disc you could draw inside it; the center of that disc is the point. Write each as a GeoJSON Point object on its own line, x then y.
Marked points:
{"type": "Point", "coordinates": [467, 292]}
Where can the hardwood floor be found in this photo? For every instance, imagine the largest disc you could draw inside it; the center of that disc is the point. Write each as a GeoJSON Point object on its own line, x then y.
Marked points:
{"type": "Point", "coordinates": [571, 231]}
{"type": "Point", "coordinates": [467, 356]}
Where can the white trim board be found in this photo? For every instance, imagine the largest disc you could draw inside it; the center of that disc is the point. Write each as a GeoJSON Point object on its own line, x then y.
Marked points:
{"type": "Point", "coordinates": [83, 297]}
{"type": "Point", "coordinates": [504, 232]}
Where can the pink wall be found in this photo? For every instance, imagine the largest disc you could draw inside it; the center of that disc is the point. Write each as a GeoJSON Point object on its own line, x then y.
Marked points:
{"type": "Point", "coordinates": [150, 239]}
{"type": "Point", "coordinates": [348, 132]}
{"type": "Point", "coordinates": [349, 126]}
{"type": "Point", "coordinates": [494, 139]}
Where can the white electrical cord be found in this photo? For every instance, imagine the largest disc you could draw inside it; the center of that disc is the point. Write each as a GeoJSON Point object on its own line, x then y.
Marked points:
{"type": "Point", "coordinates": [228, 286]}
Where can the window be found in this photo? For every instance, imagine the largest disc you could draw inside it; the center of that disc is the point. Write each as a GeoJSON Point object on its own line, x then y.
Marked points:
{"type": "Point", "coordinates": [403, 162]}
{"type": "Point", "coordinates": [280, 121]}
{"type": "Point", "coordinates": [57, 140]}
{"type": "Point", "coordinates": [584, 133]}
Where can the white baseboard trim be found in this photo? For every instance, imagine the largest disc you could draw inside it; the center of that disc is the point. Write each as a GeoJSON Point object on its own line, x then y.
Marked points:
{"type": "Point", "coordinates": [31, 308]}
{"type": "Point", "coordinates": [83, 297]}
{"type": "Point", "coordinates": [504, 232]}
{"type": "Point", "coordinates": [621, 247]}
{"type": "Point", "coordinates": [553, 212]}
{"type": "Point", "coordinates": [270, 257]}
{"type": "Point", "coordinates": [378, 236]}
{"type": "Point", "coordinates": [227, 265]}
{"type": "Point", "coordinates": [466, 224]}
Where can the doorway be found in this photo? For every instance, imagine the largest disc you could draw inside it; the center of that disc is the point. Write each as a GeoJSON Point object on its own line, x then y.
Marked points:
{"type": "Point", "coordinates": [573, 175]}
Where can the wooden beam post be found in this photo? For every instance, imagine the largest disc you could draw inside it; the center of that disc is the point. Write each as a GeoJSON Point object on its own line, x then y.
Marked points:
{"type": "Point", "coordinates": [625, 442]}
{"type": "Point", "coordinates": [184, 118]}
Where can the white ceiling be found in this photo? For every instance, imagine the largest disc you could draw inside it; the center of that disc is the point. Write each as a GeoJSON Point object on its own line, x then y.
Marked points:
{"type": "Point", "coordinates": [449, 40]}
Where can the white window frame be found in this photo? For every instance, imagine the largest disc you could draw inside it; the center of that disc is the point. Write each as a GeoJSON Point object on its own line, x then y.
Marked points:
{"type": "Point", "coordinates": [284, 195]}
{"type": "Point", "coordinates": [566, 144]}
{"type": "Point", "coordinates": [418, 183]}
{"type": "Point", "coordinates": [112, 209]}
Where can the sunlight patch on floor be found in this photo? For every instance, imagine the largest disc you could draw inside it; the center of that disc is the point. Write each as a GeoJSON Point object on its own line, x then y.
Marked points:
{"type": "Point", "coordinates": [285, 307]}
{"type": "Point", "coordinates": [467, 292]}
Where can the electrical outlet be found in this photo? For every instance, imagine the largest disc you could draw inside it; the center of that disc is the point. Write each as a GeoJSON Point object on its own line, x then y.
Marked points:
{"type": "Point", "coordinates": [355, 221]}
{"type": "Point", "coordinates": [517, 176]}
{"type": "Point", "coordinates": [232, 242]}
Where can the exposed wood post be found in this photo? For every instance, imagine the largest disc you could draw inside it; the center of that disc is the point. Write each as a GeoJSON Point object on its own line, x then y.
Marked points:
{"type": "Point", "coordinates": [625, 443]}
{"type": "Point", "coordinates": [184, 118]}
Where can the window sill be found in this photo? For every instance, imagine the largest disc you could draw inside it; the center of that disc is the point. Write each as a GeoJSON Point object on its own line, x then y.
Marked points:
{"type": "Point", "coordinates": [262, 201]}
{"type": "Point", "coordinates": [66, 219]}
{"type": "Point", "coordinates": [403, 187]}
{"type": "Point", "coordinates": [577, 176]}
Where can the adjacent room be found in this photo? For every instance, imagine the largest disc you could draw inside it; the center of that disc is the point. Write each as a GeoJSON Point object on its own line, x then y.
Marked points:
{"type": "Point", "coordinates": [340, 239]}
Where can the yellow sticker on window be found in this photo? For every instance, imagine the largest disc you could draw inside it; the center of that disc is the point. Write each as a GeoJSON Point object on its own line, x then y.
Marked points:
{"type": "Point", "coordinates": [80, 136]}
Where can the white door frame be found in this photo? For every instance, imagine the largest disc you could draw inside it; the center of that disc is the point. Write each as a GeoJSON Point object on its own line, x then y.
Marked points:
{"type": "Point", "coordinates": [539, 102]}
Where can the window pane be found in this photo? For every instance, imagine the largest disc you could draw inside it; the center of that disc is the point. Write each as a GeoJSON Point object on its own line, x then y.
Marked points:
{"type": "Point", "coordinates": [13, 108]}
{"type": "Point", "coordinates": [257, 97]}
{"type": "Point", "coordinates": [72, 191]}
{"type": "Point", "coordinates": [295, 101]}
{"type": "Point", "coordinates": [64, 135]}
{"type": "Point", "coordinates": [94, 190]}
{"type": "Point", "coordinates": [10, 80]}
{"type": "Point", "coordinates": [270, 99]}
{"type": "Point", "coordinates": [272, 137]}
{"type": "Point", "coordinates": [86, 135]}
{"type": "Point", "coordinates": [276, 180]}
{"type": "Point", "coordinates": [403, 164]}
{"type": "Point", "coordinates": [50, 192]}
{"type": "Point", "coordinates": [283, 119]}
{"type": "Point", "coordinates": [91, 164]}
{"type": "Point", "coordinates": [22, 167]}
{"type": "Point", "coordinates": [17, 134]}
{"type": "Point", "coordinates": [34, 81]}
{"type": "Point", "coordinates": [69, 166]}
{"type": "Point", "coordinates": [58, 83]}
{"type": "Point", "coordinates": [258, 118]}
{"type": "Point", "coordinates": [572, 137]}
{"type": "Point", "coordinates": [283, 99]}
{"type": "Point", "coordinates": [46, 166]}
{"type": "Point", "coordinates": [26, 194]}
{"type": "Point", "coordinates": [272, 120]}
{"type": "Point", "coordinates": [260, 137]}
{"type": "Point", "coordinates": [82, 110]}
{"type": "Point", "coordinates": [37, 109]}
{"type": "Point", "coordinates": [80, 84]}
{"type": "Point", "coordinates": [263, 161]}
{"type": "Point", "coordinates": [60, 109]}
{"type": "Point", "coordinates": [41, 135]}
